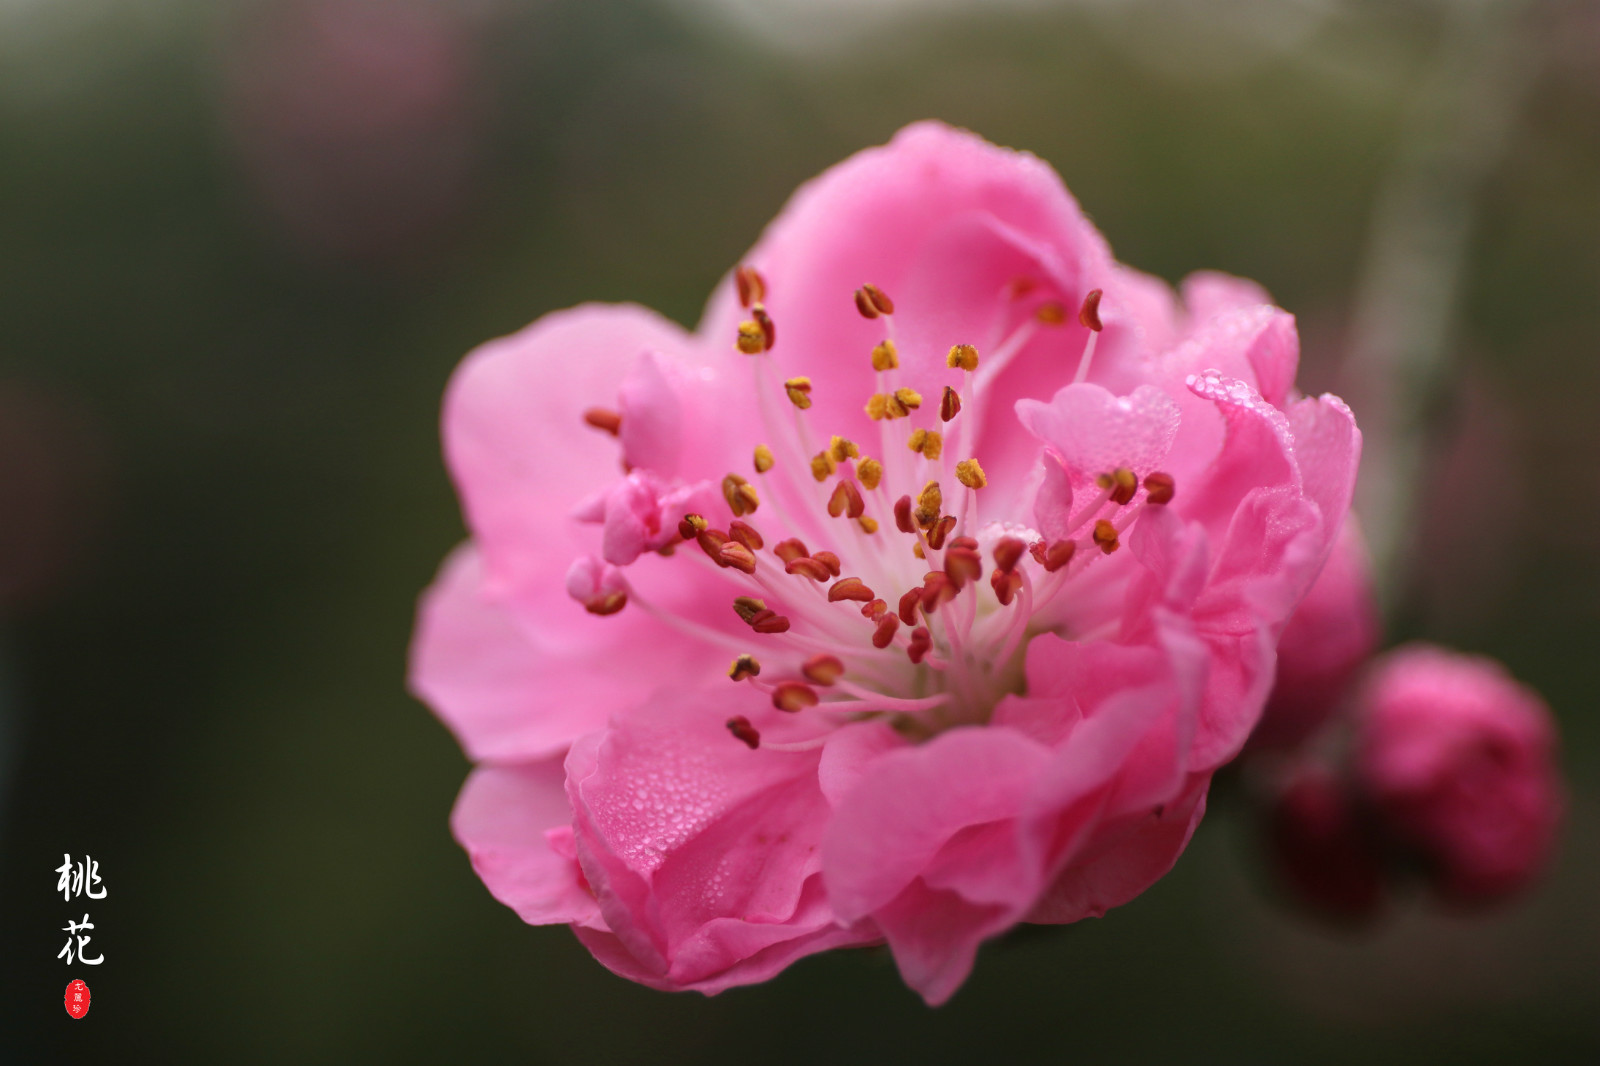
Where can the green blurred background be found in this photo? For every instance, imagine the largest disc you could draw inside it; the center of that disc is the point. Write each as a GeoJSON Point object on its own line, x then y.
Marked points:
{"type": "Point", "coordinates": [242, 247]}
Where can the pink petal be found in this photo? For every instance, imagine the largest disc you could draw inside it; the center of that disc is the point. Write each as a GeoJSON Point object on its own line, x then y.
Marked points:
{"type": "Point", "coordinates": [505, 818]}
{"type": "Point", "coordinates": [1095, 432]}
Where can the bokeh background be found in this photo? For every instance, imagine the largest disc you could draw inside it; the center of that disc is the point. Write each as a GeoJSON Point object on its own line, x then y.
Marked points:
{"type": "Point", "coordinates": [243, 244]}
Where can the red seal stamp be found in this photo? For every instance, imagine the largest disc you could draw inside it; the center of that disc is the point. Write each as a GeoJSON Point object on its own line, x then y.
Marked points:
{"type": "Point", "coordinates": [77, 999]}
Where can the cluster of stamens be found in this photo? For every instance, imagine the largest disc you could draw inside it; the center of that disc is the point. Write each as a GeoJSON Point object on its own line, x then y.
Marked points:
{"type": "Point", "coordinates": [938, 656]}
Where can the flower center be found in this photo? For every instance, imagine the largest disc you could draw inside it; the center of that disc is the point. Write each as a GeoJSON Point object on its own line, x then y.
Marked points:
{"type": "Point", "coordinates": [894, 618]}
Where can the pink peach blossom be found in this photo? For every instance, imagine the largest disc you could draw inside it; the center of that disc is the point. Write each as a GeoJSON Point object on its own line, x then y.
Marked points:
{"type": "Point", "coordinates": [1458, 761]}
{"type": "Point", "coordinates": [1002, 581]}
{"type": "Point", "coordinates": [1328, 640]}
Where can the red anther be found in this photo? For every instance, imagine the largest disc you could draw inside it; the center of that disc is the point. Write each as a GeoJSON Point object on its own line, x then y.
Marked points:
{"type": "Point", "coordinates": [921, 642]}
{"type": "Point", "coordinates": [747, 607]}
{"type": "Point", "coordinates": [745, 534]}
{"type": "Point", "coordinates": [883, 636]}
{"type": "Point", "coordinates": [769, 622]}
{"type": "Point", "coordinates": [1105, 536]}
{"type": "Point", "coordinates": [864, 305]}
{"type": "Point", "coordinates": [908, 606]}
{"type": "Point", "coordinates": [790, 550]}
{"type": "Point", "coordinates": [606, 603]}
{"type": "Point", "coordinates": [737, 556]}
{"type": "Point", "coordinates": [941, 529]}
{"type": "Point", "coordinates": [902, 515]}
{"type": "Point", "coordinates": [1161, 488]}
{"type": "Point", "coordinates": [793, 696]}
{"type": "Point", "coordinates": [846, 499]}
{"type": "Point", "coordinates": [850, 588]}
{"type": "Point", "coordinates": [711, 542]}
{"type": "Point", "coordinates": [1055, 556]}
{"type": "Point", "coordinates": [963, 565]}
{"type": "Point", "coordinates": [1089, 313]}
{"type": "Point", "coordinates": [769, 332]}
{"type": "Point", "coordinates": [937, 588]}
{"type": "Point", "coordinates": [880, 299]}
{"type": "Point", "coordinates": [751, 285]}
{"type": "Point", "coordinates": [822, 669]}
{"type": "Point", "coordinates": [604, 420]}
{"type": "Point", "coordinates": [828, 559]}
{"type": "Point", "coordinates": [741, 728]}
{"type": "Point", "coordinates": [1008, 553]}
{"type": "Point", "coordinates": [949, 404]}
{"type": "Point", "coordinates": [808, 567]}
{"type": "Point", "coordinates": [964, 542]}
{"type": "Point", "coordinates": [1006, 585]}
{"type": "Point", "coordinates": [1121, 483]}
{"type": "Point", "coordinates": [874, 610]}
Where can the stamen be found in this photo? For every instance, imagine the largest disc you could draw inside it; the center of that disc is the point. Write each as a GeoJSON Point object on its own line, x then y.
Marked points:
{"type": "Point", "coordinates": [604, 420]}
{"type": "Point", "coordinates": [868, 524]}
{"type": "Point", "coordinates": [763, 459]}
{"type": "Point", "coordinates": [741, 497]}
{"type": "Point", "coordinates": [1105, 536]}
{"type": "Point", "coordinates": [737, 556]}
{"type": "Point", "coordinates": [799, 390]}
{"type": "Point", "coordinates": [949, 404]}
{"type": "Point", "coordinates": [850, 588]}
{"type": "Point", "coordinates": [790, 550]}
{"type": "Point", "coordinates": [741, 728]}
{"type": "Point", "coordinates": [1006, 585]}
{"type": "Point", "coordinates": [929, 503]}
{"type": "Point", "coordinates": [874, 610]}
{"type": "Point", "coordinates": [1055, 556]}
{"type": "Point", "coordinates": [823, 466]}
{"type": "Point", "coordinates": [1008, 552]}
{"type": "Point", "coordinates": [962, 357]}
{"type": "Point", "coordinates": [929, 442]}
{"type": "Point", "coordinates": [711, 542]}
{"type": "Point", "coordinates": [884, 356]}
{"type": "Point", "coordinates": [937, 590]}
{"type": "Point", "coordinates": [606, 603]}
{"type": "Point", "coordinates": [864, 305]}
{"type": "Point", "coordinates": [746, 534]}
{"type": "Point", "coordinates": [846, 499]}
{"type": "Point", "coordinates": [692, 526]}
{"type": "Point", "coordinates": [823, 669]}
{"type": "Point", "coordinates": [1051, 313]}
{"type": "Point", "coordinates": [964, 565]}
{"type": "Point", "coordinates": [908, 606]}
{"type": "Point", "coordinates": [877, 407]}
{"type": "Point", "coordinates": [770, 622]}
{"type": "Point", "coordinates": [793, 696]}
{"type": "Point", "coordinates": [883, 636]}
{"type": "Point", "coordinates": [970, 474]}
{"type": "Point", "coordinates": [1121, 483]}
{"type": "Point", "coordinates": [745, 666]}
{"type": "Point", "coordinates": [908, 398]}
{"type": "Point", "coordinates": [902, 515]}
{"type": "Point", "coordinates": [808, 567]}
{"type": "Point", "coordinates": [751, 340]}
{"type": "Point", "coordinates": [751, 285]}
{"type": "Point", "coordinates": [748, 607]}
{"type": "Point", "coordinates": [879, 299]}
{"type": "Point", "coordinates": [942, 529]}
{"type": "Point", "coordinates": [921, 644]}
{"type": "Point", "coordinates": [769, 332]}
{"type": "Point", "coordinates": [869, 472]}
{"type": "Point", "coordinates": [1089, 313]}
{"type": "Point", "coordinates": [1160, 487]}
{"type": "Point", "coordinates": [828, 559]}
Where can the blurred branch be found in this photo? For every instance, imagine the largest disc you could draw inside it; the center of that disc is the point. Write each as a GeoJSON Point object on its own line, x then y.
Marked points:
{"type": "Point", "coordinates": [1451, 142]}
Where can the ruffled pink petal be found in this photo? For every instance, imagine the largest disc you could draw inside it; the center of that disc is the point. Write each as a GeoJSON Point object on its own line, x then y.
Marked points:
{"type": "Point", "coordinates": [510, 820]}
{"type": "Point", "coordinates": [520, 685]}
{"type": "Point", "coordinates": [701, 851]}
{"type": "Point", "coordinates": [1096, 432]}
{"type": "Point", "coordinates": [515, 438]}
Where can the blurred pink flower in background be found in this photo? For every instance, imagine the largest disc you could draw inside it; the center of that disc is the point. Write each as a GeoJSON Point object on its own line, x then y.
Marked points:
{"type": "Point", "coordinates": [1001, 571]}
{"type": "Point", "coordinates": [1322, 845]}
{"type": "Point", "coordinates": [1458, 761]}
{"type": "Point", "coordinates": [357, 122]}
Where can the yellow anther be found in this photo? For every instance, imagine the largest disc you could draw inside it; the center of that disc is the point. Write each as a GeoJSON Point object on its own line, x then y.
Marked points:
{"type": "Point", "coordinates": [745, 666]}
{"type": "Point", "coordinates": [962, 357]}
{"type": "Point", "coordinates": [878, 407]}
{"type": "Point", "coordinates": [840, 449]}
{"type": "Point", "coordinates": [1051, 313]}
{"type": "Point", "coordinates": [909, 398]}
{"type": "Point", "coordinates": [763, 459]}
{"type": "Point", "coordinates": [869, 472]}
{"type": "Point", "coordinates": [884, 356]}
{"type": "Point", "coordinates": [927, 441]}
{"type": "Point", "coordinates": [823, 466]}
{"type": "Point", "coordinates": [893, 408]}
{"type": "Point", "coordinates": [741, 497]}
{"type": "Point", "coordinates": [752, 340]}
{"type": "Point", "coordinates": [929, 503]}
{"type": "Point", "coordinates": [916, 549]}
{"type": "Point", "coordinates": [868, 525]}
{"type": "Point", "coordinates": [799, 390]}
{"type": "Point", "coordinates": [970, 474]}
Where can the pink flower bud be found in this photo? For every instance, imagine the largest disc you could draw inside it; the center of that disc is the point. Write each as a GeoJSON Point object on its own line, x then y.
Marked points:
{"type": "Point", "coordinates": [1457, 759]}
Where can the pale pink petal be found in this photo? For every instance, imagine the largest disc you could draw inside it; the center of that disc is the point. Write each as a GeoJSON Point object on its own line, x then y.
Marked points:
{"type": "Point", "coordinates": [1096, 432]}
{"type": "Point", "coordinates": [504, 819]}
